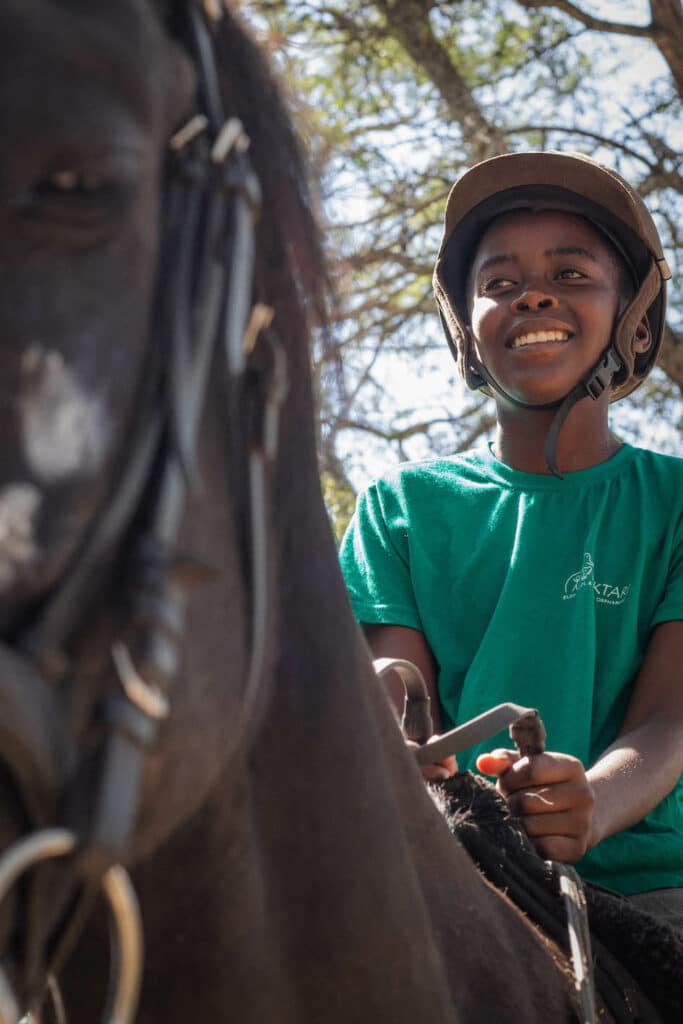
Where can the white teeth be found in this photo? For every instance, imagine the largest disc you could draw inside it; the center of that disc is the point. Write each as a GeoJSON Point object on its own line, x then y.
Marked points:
{"type": "Point", "coordinates": [536, 337]}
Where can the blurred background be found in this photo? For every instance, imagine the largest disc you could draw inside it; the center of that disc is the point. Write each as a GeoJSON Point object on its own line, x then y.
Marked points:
{"type": "Point", "coordinates": [395, 98]}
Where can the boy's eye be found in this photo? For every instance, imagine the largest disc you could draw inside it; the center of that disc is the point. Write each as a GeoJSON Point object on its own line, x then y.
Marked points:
{"type": "Point", "coordinates": [494, 283]}
{"type": "Point", "coordinates": [570, 274]}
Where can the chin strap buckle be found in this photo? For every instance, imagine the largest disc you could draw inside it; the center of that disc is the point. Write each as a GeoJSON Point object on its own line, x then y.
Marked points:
{"type": "Point", "coordinates": [664, 269]}
{"type": "Point", "coordinates": [601, 377]}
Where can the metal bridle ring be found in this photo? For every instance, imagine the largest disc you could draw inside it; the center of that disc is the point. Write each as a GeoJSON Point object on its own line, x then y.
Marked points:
{"type": "Point", "coordinates": [126, 935]}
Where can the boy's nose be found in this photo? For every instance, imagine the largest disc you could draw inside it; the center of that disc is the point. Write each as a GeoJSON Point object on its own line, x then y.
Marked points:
{"type": "Point", "coordinates": [532, 299]}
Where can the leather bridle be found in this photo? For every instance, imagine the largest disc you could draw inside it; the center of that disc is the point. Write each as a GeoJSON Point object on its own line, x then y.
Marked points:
{"type": "Point", "coordinates": [205, 318]}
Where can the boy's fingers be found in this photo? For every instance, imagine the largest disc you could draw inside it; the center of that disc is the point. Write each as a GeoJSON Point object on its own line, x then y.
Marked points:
{"type": "Point", "coordinates": [443, 769]}
{"type": "Point", "coordinates": [567, 849]}
{"type": "Point", "coordinates": [547, 769]}
{"type": "Point", "coordinates": [440, 771]}
{"type": "Point", "coordinates": [545, 800]}
{"type": "Point", "coordinates": [448, 763]}
{"type": "Point", "coordinates": [496, 762]}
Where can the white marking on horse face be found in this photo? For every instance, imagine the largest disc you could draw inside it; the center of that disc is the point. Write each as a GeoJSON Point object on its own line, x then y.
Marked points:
{"type": "Point", "coordinates": [65, 432]}
{"type": "Point", "coordinates": [19, 504]}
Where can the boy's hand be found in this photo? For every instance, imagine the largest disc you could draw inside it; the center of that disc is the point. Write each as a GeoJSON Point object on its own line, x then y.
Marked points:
{"type": "Point", "coordinates": [441, 770]}
{"type": "Point", "coordinates": [551, 794]}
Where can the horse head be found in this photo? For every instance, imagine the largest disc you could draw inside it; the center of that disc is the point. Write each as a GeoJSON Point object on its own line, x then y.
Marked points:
{"type": "Point", "coordinates": [88, 104]}
{"type": "Point", "coordinates": [182, 686]}
{"type": "Point", "coordinates": [128, 206]}
{"type": "Point", "coordinates": [120, 226]}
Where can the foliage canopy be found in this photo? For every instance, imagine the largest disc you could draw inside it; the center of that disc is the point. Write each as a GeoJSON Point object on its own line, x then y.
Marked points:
{"type": "Point", "coordinates": [396, 98]}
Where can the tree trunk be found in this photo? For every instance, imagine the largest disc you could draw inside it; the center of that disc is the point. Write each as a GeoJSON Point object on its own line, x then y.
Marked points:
{"type": "Point", "coordinates": [667, 22]}
{"type": "Point", "coordinates": [671, 357]}
{"type": "Point", "coordinates": [408, 21]}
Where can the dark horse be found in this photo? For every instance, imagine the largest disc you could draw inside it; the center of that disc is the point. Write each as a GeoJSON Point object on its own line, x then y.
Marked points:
{"type": "Point", "coordinates": [290, 865]}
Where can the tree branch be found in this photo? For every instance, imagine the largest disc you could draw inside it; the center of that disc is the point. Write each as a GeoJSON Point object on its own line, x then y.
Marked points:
{"type": "Point", "coordinates": [395, 434]}
{"type": "Point", "coordinates": [486, 423]}
{"type": "Point", "coordinates": [671, 356]}
{"type": "Point", "coordinates": [590, 21]}
{"type": "Point", "coordinates": [408, 21]}
{"type": "Point", "coordinates": [667, 17]}
{"type": "Point", "coordinates": [584, 133]}
{"type": "Point", "coordinates": [665, 29]}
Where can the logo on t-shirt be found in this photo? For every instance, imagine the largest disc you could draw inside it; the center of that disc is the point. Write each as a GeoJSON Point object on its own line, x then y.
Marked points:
{"type": "Point", "coordinates": [584, 579]}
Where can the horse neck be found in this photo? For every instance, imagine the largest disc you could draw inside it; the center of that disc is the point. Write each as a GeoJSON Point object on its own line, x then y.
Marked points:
{"type": "Point", "coordinates": [313, 876]}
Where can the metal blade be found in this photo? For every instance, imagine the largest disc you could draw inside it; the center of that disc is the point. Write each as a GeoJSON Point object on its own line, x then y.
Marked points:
{"type": "Point", "coordinates": [475, 731]}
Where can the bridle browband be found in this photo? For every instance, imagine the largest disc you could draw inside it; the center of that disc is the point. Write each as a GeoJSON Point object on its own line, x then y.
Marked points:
{"type": "Point", "coordinates": [205, 317]}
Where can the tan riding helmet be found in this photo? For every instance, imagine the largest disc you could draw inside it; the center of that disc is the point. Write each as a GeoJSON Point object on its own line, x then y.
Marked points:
{"type": "Point", "coordinates": [553, 181]}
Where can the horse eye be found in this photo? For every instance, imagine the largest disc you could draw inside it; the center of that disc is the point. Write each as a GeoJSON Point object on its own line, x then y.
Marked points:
{"type": "Point", "coordinates": [70, 182]}
{"type": "Point", "coordinates": [83, 195]}
{"type": "Point", "coordinates": [64, 181]}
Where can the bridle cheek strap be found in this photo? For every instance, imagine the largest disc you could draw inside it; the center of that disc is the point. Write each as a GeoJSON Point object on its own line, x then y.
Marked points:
{"type": "Point", "coordinates": [591, 386]}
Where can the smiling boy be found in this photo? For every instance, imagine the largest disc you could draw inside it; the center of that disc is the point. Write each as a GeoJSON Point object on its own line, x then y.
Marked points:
{"type": "Point", "coordinates": [547, 569]}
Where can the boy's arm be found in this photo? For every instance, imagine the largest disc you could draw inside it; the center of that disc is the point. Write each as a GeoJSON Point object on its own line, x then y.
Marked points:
{"type": "Point", "coordinates": [567, 810]}
{"type": "Point", "coordinates": [403, 642]}
{"type": "Point", "coordinates": [646, 760]}
{"type": "Point", "coordinates": [386, 641]}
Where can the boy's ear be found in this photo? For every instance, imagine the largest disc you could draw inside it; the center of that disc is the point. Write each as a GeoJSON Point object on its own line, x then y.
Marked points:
{"type": "Point", "coordinates": [642, 339]}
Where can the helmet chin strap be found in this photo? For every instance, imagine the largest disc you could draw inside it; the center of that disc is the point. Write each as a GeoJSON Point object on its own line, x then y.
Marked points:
{"type": "Point", "coordinates": [591, 385]}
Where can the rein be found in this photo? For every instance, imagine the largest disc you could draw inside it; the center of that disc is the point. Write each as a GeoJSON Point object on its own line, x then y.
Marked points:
{"type": "Point", "coordinates": [205, 292]}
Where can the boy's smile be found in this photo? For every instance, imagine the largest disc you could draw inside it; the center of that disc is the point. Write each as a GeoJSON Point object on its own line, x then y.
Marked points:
{"type": "Point", "coordinates": [543, 295]}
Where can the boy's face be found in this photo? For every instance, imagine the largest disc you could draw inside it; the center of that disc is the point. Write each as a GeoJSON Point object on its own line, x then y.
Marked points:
{"type": "Point", "coordinates": [543, 294]}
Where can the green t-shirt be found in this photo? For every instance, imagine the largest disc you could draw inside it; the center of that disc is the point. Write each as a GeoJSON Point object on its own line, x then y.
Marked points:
{"type": "Point", "coordinates": [539, 591]}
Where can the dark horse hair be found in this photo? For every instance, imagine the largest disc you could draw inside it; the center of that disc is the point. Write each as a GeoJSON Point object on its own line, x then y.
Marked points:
{"type": "Point", "coordinates": [290, 273]}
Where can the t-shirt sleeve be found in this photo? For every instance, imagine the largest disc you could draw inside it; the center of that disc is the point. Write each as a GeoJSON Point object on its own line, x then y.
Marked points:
{"type": "Point", "coordinates": [374, 558]}
{"type": "Point", "coordinates": [670, 607]}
